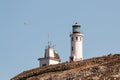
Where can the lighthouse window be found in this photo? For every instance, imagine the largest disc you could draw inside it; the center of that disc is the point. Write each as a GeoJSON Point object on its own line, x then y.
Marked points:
{"type": "Point", "coordinates": [76, 38]}
{"type": "Point", "coordinates": [72, 48]}
{"type": "Point", "coordinates": [72, 38]}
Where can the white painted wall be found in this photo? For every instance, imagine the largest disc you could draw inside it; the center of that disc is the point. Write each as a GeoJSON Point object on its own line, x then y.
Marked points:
{"type": "Point", "coordinates": [48, 62]}
{"type": "Point", "coordinates": [76, 53]}
{"type": "Point", "coordinates": [51, 52]}
{"type": "Point", "coordinates": [52, 62]}
{"type": "Point", "coordinates": [44, 61]}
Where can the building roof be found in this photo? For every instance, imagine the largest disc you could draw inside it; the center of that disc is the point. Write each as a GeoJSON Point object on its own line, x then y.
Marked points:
{"type": "Point", "coordinates": [76, 25]}
{"type": "Point", "coordinates": [56, 57]}
{"type": "Point", "coordinates": [51, 58]}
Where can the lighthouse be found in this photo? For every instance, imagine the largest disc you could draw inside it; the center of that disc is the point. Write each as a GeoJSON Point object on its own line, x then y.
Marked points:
{"type": "Point", "coordinates": [76, 43]}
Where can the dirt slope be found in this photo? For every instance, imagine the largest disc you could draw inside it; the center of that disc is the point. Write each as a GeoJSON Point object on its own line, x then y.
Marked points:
{"type": "Point", "coordinates": [100, 68]}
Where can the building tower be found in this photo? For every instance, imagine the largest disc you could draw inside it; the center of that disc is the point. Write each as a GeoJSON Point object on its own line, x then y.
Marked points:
{"type": "Point", "coordinates": [51, 57]}
{"type": "Point", "coordinates": [76, 43]}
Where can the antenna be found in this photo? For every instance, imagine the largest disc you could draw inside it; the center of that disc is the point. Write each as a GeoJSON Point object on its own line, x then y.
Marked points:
{"type": "Point", "coordinates": [53, 46]}
{"type": "Point", "coordinates": [50, 43]}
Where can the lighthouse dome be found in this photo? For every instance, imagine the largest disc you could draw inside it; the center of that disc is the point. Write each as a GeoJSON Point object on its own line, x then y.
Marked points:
{"type": "Point", "coordinates": [76, 28]}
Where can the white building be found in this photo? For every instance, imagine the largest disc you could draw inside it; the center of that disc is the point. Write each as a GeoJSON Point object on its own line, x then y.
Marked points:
{"type": "Point", "coordinates": [76, 43]}
{"type": "Point", "coordinates": [51, 57]}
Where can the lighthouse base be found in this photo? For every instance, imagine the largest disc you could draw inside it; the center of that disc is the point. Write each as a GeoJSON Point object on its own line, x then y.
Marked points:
{"type": "Point", "coordinates": [72, 58]}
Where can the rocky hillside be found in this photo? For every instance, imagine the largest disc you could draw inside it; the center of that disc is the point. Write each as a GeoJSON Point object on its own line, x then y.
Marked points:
{"type": "Point", "coordinates": [100, 68]}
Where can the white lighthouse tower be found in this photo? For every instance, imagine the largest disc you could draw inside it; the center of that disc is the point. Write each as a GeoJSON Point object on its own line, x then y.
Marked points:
{"type": "Point", "coordinates": [76, 43]}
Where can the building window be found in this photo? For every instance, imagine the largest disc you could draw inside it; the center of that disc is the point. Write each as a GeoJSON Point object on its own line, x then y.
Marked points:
{"type": "Point", "coordinates": [44, 64]}
{"type": "Point", "coordinates": [72, 48]}
{"type": "Point", "coordinates": [72, 38]}
{"type": "Point", "coordinates": [76, 38]}
{"type": "Point", "coordinates": [71, 58]}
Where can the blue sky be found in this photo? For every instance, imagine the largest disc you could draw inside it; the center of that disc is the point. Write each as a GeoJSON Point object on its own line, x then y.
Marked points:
{"type": "Point", "coordinates": [25, 25]}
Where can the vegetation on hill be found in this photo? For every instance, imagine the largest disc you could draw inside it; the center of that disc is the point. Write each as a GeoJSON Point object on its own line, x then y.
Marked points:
{"type": "Point", "coordinates": [99, 68]}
